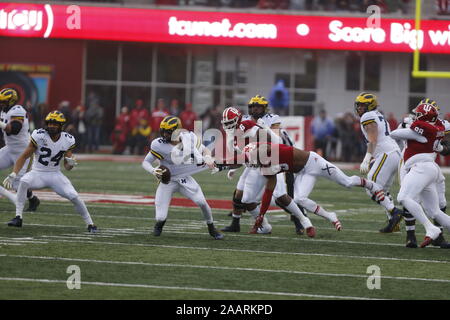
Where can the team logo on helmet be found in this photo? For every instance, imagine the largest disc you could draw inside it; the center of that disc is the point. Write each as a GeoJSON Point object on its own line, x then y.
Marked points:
{"type": "Point", "coordinates": [365, 102]}
{"type": "Point", "coordinates": [8, 98]}
{"type": "Point", "coordinates": [426, 112]}
{"type": "Point", "coordinates": [231, 118]}
{"type": "Point", "coordinates": [168, 126]}
{"type": "Point", "coordinates": [430, 101]}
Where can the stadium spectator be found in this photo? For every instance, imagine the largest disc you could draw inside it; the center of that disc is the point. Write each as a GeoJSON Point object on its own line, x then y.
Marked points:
{"type": "Point", "coordinates": [279, 99]}
{"type": "Point", "coordinates": [64, 107]}
{"type": "Point", "coordinates": [94, 120]}
{"type": "Point", "coordinates": [348, 137]}
{"type": "Point", "coordinates": [322, 129]}
{"type": "Point", "coordinates": [273, 4]}
{"type": "Point", "coordinates": [120, 135]}
{"type": "Point", "coordinates": [158, 114]}
{"type": "Point", "coordinates": [141, 137]}
{"type": "Point", "coordinates": [139, 112]}
{"type": "Point", "coordinates": [38, 113]}
{"type": "Point", "coordinates": [393, 123]}
{"type": "Point", "coordinates": [187, 117]}
{"type": "Point", "coordinates": [79, 126]}
{"type": "Point", "coordinates": [174, 108]}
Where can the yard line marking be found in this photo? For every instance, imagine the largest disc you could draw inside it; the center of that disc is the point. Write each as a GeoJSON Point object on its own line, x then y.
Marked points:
{"type": "Point", "coordinates": [253, 251]}
{"type": "Point", "coordinates": [221, 268]}
{"type": "Point", "coordinates": [147, 286]}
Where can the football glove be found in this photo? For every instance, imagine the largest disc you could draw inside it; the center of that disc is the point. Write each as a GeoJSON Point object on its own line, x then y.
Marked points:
{"type": "Point", "coordinates": [2, 125]}
{"type": "Point", "coordinates": [231, 173]}
{"type": "Point", "coordinates": [365, 165]}
{"type": "Point", "coordinates": [158, 173]}
{"type": "Point", "coordinates": [71, 161]}
{"type": "Point", "coordinates": [8, 182]}
{"type": "Point", "coordinates": [258, 223]}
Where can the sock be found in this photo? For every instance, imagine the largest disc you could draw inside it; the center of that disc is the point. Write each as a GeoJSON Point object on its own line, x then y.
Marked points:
{"type": "Point", "coordinates": [29, 194]}
{"type": "Point", "coordinates": [410, 222]}
{"type": "Point", "coordinates": [207, 213]}
{"type": "Point", "coordinates": [21, 198]}
{"type": "Point", "coordinates": [327, 215]}
{"type": "Point", "coordinates": [8, 194]}
{"type": "Point", "coordinates": [80, 206]}
{"type": "Point", "coordinates": [295, 210]}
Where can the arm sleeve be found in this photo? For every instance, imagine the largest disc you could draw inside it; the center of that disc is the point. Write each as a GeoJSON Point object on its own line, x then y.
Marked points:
{"type": "Point", "coordinates": [147, 163]}
{"type": "Point", "coordinates": [407, 134]}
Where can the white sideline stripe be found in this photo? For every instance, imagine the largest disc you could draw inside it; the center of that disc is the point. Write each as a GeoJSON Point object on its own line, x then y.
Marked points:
{"type": "Point", "coordinates": [221, 268]}
{"type": "Point", "coordinates": [147, 286]}
{"type": "Point", "coordinates": [252, 251]}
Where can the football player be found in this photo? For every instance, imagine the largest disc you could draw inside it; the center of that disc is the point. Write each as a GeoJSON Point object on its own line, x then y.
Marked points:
{"type": "Point", "coordinates": [49, 145]}
{"type": "Point", "coordinates": [307, 166]}
{"type": "Point", "coordinates": [182, 153]}
{"type": "Point", "coordinates": [15, 126]}
{"type": "Point", "coordinates": [421, 174]}
{"type": "Point", "coordinates": [383, 154]}
{"type": "Point", "coordinates": [410, 221]}
{"type": "Point", "coordinates": [251, 182]}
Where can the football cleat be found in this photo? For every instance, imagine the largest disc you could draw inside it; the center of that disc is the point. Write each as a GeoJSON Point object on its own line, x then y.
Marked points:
{"type": "Point", "coordinates": [440, 240]}
{"type": "Point", "coordinates": [298, 225]}
{"type": "Point", "coordinates": [15, 222]}
{"type": "Point", "coordinates": [92, 228]}
{"type": "Point", "coordinates": [33, 203]}
{"type": "Point", "coordinates": [393, 223]}
{"type": "Point", "coordinates": [233, 227]}
{"type": "Point", "coordinates": [426, 242]}
{"type": "Point", "coordinates": [311, 232]}
{"type": "Point", "coordinates": [411, 241]}
{"type": "Point", "coordinates": [157, 230]}
{"type": "Point", "coordinates": [214, 233]}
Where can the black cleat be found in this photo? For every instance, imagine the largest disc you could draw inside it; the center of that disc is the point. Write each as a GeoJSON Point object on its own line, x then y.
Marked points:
{"type": "Point", "coordinates": [92, 228]}
{"type": "Point", "coordinates": [157, 230]}
{"type": "Point", "coordinates": [33, 203]}
{"type": "Point", "coordinates": [393, 222]}
{"type": "Point", "coordinates": [214, 233]}
{"type": "Point", "coordinates": [233, 227]}
{"type": "Point", "coordinates": [16, 222]}
{"type": "Point", "coordinates": [411, 241]}
{"type": "Point", "coordinates": [298, 225]}
{"type": "Point", "coordinates": [439, 241]}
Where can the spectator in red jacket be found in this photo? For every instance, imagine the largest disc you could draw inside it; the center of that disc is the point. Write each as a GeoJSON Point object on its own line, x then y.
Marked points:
{"type": "Point", "coordinates": [139, 112]}
{"type": "Point", "coordinates": [187, 117]}
{"type": "Point", "coordinates": [158, 114]}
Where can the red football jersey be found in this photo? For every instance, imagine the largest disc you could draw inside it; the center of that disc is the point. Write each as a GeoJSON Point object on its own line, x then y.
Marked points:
{"type": "Point", "coordinates": [433, 132]}
{"type": "Point", "coordinates": [281, 162]}
{"type": "Point", "coordinates": [246, 133]}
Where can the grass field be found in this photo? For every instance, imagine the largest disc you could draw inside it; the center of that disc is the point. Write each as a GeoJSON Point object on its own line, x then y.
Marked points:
{"type": "Point", "coordinates": [124, 261]}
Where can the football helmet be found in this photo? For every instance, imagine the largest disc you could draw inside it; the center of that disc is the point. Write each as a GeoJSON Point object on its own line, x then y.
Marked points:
{"type": "Point", "coordinates": [8, 98]}
{"type": "Point", "coordinates": [365, 102]}
{"type": "Point", "coordinates": [258, 101]}
{"type": "Point", "coordinates": [231, 118]}
{"type": "Point", "coordinates": [168, 126]}
{"type": "Point", "coordinates": [426, 112]}
{"type": "Point", "coordinates": [432, 102]}
{"type": "Point", "coordinates": [55, 117]}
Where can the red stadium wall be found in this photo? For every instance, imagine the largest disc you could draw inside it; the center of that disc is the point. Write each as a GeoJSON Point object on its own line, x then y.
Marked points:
{"type": "Point", "coordinates": [65, 57]}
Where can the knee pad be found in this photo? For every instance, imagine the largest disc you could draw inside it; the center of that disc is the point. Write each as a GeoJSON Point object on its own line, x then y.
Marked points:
{"type": "Point", "coordinates": [237, 204]}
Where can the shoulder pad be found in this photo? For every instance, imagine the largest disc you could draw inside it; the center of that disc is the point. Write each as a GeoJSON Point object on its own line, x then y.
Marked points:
{"type": "Point", "coordinates": [368, 117]}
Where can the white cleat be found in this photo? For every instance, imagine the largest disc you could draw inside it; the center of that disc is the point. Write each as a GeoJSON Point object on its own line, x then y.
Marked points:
{"type": "Point", "coordinates": [266, 229]}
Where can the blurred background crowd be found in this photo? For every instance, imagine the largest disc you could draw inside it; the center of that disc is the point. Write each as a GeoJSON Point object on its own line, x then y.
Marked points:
{"type": "Point", "coordinates": [336, 137]}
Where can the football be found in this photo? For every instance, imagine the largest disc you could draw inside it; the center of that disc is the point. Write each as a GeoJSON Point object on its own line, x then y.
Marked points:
{"type": "Point", "coordinates": [166, 174]}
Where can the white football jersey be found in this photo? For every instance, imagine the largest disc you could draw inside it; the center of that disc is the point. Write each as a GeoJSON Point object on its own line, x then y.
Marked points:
{"type": "Point", "coordinates": [17, 141]}
{"type": "Point", "coordinates": [385, 143]}
{"type": "Point", "coordinates": [269, 119]}
{"type": "Point", "coordinates": [49, 153]}
{"type": "Point", "coordinates": [446, 125]}
{"type": "Point", "coordinates": [171, 156]}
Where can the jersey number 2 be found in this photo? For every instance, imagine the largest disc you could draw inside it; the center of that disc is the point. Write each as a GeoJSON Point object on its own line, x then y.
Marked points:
{"type": "Point", "coordinates": [47, 154]}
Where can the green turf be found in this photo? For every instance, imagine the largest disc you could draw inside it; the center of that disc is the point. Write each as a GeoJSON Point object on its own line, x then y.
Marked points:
{"type": "Point", "coordinates": [124, 261]}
